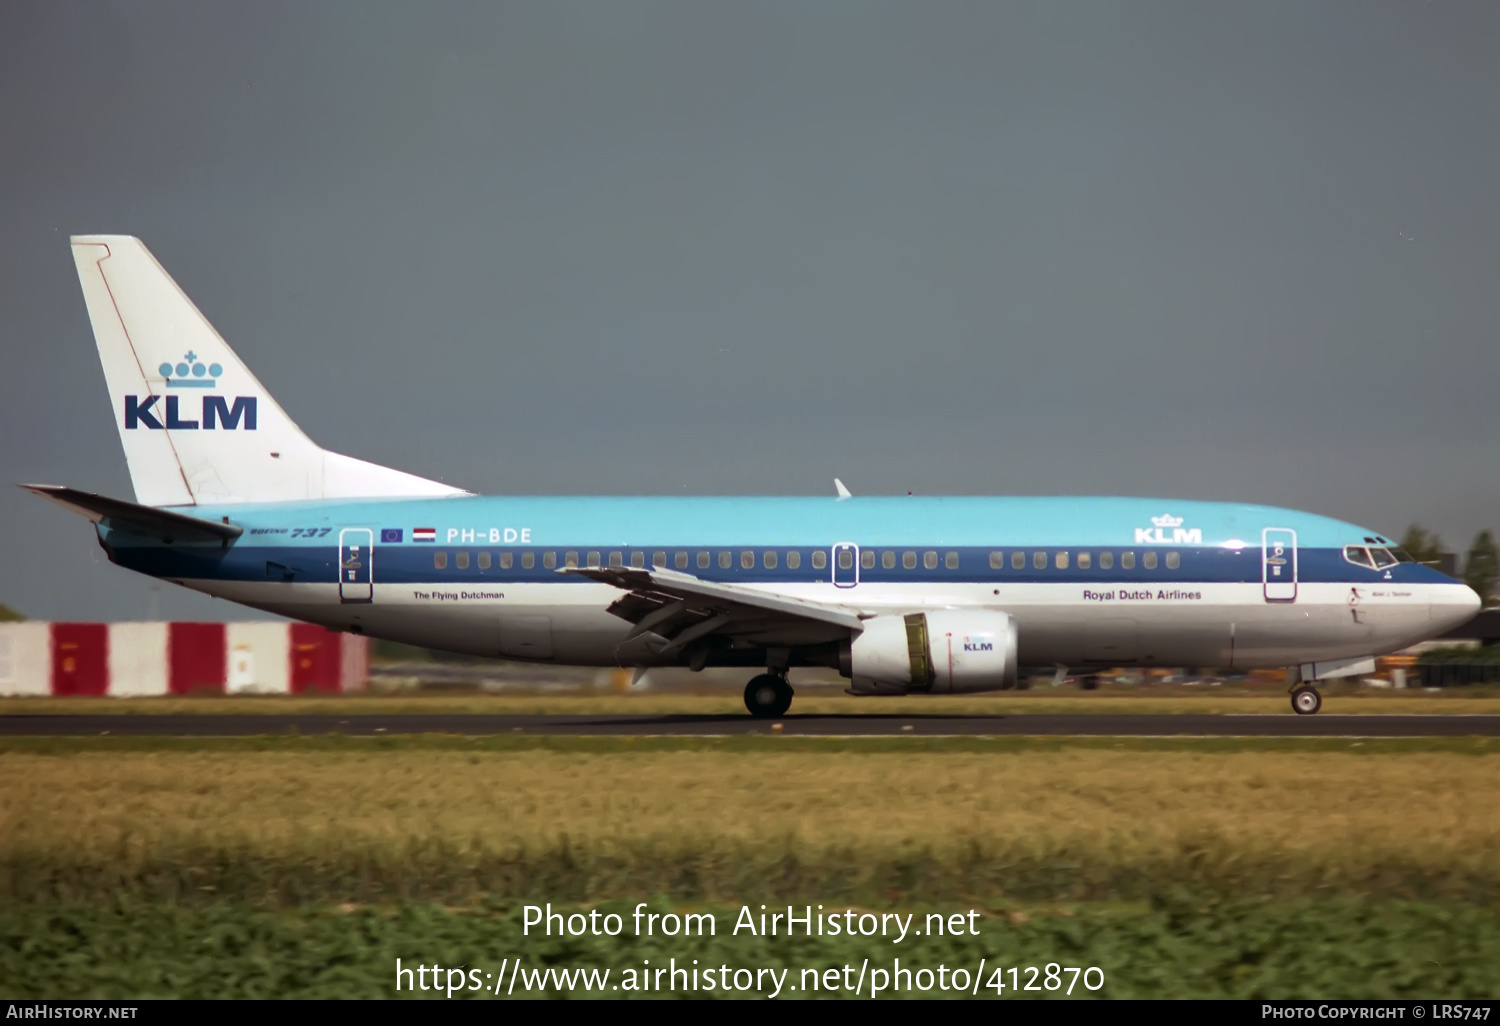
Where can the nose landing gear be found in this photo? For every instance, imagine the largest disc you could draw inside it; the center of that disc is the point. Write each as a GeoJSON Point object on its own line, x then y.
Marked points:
{"type": "Point", "coordinates": [1306, 700]}
{"type": "Point", "coordinates": [768, 695]}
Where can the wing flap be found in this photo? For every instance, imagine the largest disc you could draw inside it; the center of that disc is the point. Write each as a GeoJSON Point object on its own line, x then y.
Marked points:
{"type": "Point", "coordinates": [668, 585]}
{"type": "Point", "coordinates": [674, 610]}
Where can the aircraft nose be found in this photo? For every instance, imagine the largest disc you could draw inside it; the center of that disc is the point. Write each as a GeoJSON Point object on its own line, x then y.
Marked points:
{"type": "Point", "coordinates": [1453, 606]}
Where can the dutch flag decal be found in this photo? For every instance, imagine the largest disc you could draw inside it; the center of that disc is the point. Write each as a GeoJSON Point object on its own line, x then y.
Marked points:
{"type": "Point", "coordinates": [424, 534]}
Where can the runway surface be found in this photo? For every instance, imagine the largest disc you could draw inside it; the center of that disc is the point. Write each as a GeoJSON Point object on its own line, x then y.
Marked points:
{"type": "Point", "coordinates": [1120, 725]}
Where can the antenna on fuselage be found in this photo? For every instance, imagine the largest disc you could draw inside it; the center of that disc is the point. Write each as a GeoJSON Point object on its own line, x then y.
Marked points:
{"type": "Point", "coordinates": [844, 493]}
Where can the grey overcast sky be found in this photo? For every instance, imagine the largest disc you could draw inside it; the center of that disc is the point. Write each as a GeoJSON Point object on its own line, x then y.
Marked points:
{"type": "Point", "coordinates": [1238, 251]}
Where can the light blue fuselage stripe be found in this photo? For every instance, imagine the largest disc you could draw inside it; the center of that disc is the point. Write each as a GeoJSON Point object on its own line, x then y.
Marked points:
{"type": "Point", "coordinates": [791, 522]}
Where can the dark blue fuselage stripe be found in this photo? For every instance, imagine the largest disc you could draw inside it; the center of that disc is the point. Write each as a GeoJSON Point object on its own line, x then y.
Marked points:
{"type": "Point", "coordinates": [413, 563]}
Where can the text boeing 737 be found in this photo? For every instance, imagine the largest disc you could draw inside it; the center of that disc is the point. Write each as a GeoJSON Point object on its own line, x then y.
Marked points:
{"type": "Point", "coordinates": [902, 595]}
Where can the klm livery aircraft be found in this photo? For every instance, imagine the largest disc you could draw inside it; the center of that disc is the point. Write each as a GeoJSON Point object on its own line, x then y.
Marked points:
{"type": "Point", "coordinates": [902, 595]}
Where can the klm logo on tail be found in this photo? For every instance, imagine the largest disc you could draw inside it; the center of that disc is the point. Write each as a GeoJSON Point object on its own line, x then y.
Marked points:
{"type": "Point", "coordinates": [215, 410]}
{"type": "Point", "coordinates": [191, 372]}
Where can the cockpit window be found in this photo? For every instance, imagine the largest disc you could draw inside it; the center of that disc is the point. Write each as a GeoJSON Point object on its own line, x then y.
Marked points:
{"type": "Point", "coordinates": [1357, 555]}
{"type": "Point", "coordinates": [1402, 556]}
{"type": "Point", "coordinates": [1382, 558]}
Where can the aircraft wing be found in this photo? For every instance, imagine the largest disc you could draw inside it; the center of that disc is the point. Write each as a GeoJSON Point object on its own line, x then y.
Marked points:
{"type": "Point", "coordinates": [673, 610]}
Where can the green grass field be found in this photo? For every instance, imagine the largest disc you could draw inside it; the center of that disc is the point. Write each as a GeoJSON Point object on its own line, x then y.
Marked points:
{"type": "Point", "coordinates": [1167, 948]}
{"type": "Point", "coordinates": [1169, 699]}
{"type": "Point", "coordinates": [1181, 867]}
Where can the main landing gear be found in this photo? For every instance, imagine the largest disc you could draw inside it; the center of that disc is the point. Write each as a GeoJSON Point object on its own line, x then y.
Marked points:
{"type": "Point", "coordinates": [768, 695]}
{"type": "Point", "coordinates": [1306, 700]}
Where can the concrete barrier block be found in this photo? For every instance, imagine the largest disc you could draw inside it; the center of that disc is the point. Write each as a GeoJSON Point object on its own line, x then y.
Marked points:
{"type": "Point", "coordinates": [259, 658]}
{"type": "Point", "coordinates": [25, 658]}
{"type": "Point", "coordinates": [137, 659]}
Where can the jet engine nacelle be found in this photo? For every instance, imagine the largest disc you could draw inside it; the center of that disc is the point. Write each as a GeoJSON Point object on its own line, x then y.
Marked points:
{"type": "Point", "coordinates": [945, 652]}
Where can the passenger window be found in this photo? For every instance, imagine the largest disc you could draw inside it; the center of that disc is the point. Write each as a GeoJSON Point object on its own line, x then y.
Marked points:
{"type": "Point", "coordinates": [1127, 561]}
{"type": "Point", "coordinates": [819, 559]}
{"type": "Point", "coordinates": [528, 560]}
{"type": "Point", "coordinates": [1149, 560]}
{"type": "Point", "coordinates": [951, 561]}
{"type": "Point", "coordinates": [1382, 558]}
{"type": "Point", "coordinates": [867, 559]}
{"type": "Point", "coordinates": [1061, 561]}
{"type": "Point", "coordinates": [461, 561]}
{"type": "Point", "coordinates": [1106, 560]}
{"type": "Point", "coordinates": [549, 560]}
{"type": "Point", "coordinates": [1018, 561]}
{"type": "Point", "coordinates": [680, 561]}
{"type": "Point", "coordinates": [440, 560]}
{"type": "Point", "coordinates": [637, 560]}
{"type": "Point", "coordinates": [747, 560]}
{"type": "Point", "coordinates": [703, 560]}
{"type": "Point", "coordinates": [1084, 559]}
{"type": "Point", "coordinates": [592, 559]}
{"type": "Point", "coordinates": [793, 559]}
{"type": "Point", "coordinates": [846, 559]}
{"type": "Point", "coordinates": [1174, 560]}
{"type": "Point", "coordinates": [1039, 560]}
{"type": "Point", "coordinates": [997, 561]}
{"type": "Point", "coordinates": [660, 559]}
{"type": "Point", "coordinates": [769, 559]}
{"type": "Point", "coordinates": [571, 559]}
{"type": "Point", "coordinates": [484, 561]}
{"type": "Point", "coordinates": [616, 560]}
{"type": "Point", "coordinates": [909, 560]}
{"type": "Point", "coordinates": [726, 560]}
{"type": "Point", "coordinates": [506, 561]}
{"type": "Point", "coordinates": [888, 560]}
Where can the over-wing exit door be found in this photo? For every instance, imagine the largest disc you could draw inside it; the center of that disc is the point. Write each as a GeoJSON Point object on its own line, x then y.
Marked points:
{"type": "Point", "coordinates": [845, 564]}
{"type": "Point", "coordinates": [1278, 563]}
{"type": "Point", "coordinates": [356, 552]}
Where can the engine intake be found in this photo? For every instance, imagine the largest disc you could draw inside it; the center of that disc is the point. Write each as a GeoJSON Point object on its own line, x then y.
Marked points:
{"type": "Point", "coordinates": [944, 652]}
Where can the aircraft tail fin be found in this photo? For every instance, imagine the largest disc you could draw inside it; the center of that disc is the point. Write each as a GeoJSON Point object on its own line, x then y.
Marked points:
{"type": "Point", "coordinates": [196, 425]}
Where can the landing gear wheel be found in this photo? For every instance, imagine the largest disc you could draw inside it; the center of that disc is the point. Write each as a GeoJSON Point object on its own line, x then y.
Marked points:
{"type": "Point", "coordinates": [768, 696]}
{"type": "Point", "coordinates": [1306, 701]}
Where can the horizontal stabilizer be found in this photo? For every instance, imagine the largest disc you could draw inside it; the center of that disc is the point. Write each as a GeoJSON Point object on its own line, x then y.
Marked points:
{"type": "Point", "coordinates": [143, 520]}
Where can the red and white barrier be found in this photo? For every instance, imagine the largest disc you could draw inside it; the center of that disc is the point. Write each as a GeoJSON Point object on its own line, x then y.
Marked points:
{"type": "Point", "coordinates": [121, 659]}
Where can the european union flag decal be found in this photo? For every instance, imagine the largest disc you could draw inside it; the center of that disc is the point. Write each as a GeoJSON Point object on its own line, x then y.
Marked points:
{"type": "Point", "coordinates": [390, 534]}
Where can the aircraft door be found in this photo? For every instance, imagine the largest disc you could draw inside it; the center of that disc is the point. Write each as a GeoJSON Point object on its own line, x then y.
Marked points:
{"type": "Point", "coordinates": [845, 564]}
{"type": "Point", "coordinates": [356, 554]}
{"type": "Point", "coordinates": [1278, 564]}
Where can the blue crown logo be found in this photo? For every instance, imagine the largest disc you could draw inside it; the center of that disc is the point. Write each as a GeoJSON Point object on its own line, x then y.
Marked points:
{"type": "Point", "coordinates": [191, 373]}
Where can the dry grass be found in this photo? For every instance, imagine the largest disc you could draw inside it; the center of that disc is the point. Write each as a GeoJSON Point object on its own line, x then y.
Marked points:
{"type": "Point", "coordinates": [1339, 700]}
{"type": "Point", "coordinates": [701, 823]}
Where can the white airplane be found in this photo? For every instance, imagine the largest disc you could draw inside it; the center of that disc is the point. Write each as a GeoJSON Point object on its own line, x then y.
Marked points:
{"type": "Point", "coordinates": [902, 595]}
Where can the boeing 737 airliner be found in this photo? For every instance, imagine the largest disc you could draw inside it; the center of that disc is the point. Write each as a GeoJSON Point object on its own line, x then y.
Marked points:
{"type": "Point", "coordinates": [902, 595]}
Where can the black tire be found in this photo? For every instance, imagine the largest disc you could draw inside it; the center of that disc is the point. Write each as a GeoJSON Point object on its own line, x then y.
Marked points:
{"type": "Point", "coordinates": [768, 696]}
{"type": "Point", "coordinates": [1088, 682]}
{"type": "Point", "coordinates": [1306, 701]}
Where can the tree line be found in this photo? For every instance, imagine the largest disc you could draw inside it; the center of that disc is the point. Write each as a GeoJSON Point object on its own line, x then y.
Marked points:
{"type": "Point", "coordinates": [1481, 565]}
